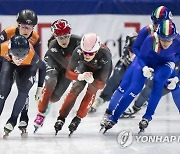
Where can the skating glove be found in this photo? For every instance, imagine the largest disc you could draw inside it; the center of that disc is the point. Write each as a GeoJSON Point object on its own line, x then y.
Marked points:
{"type": "Point", "coordinates": [173, 82]}
{"type": "Point", "coordinates": [38, 94]}
{"type": "Point", "coordinates": [147, 71]}
{"type": "Point", "coordinates": [89, 79]}
{"type": "Point", "coordinates": [87, 76]}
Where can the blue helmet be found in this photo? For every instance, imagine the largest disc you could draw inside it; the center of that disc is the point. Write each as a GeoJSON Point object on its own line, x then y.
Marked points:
{"type": "Point", "coordinates": [161, 13]}
{"type": "Point", "coordinates": [167, 30]}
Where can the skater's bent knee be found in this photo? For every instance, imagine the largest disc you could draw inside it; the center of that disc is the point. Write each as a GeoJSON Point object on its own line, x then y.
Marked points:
{"type": "Point", "coordinates": [51, 83]}
{"type": "Point", "coordinates": [76, 90]}
{"type": "Point", "coordinates": [54, 98]}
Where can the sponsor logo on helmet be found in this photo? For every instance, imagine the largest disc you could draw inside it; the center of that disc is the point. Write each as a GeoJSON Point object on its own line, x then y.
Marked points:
{"type": "Point", "coordinates": [170, 15]}
{"type": "Point", "coordinates": [2, 37]}
{"type": "Point", "coordinates": [28, 21]}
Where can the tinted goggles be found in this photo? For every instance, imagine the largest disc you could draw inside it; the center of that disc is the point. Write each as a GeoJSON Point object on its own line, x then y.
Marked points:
{"type": "Point", "coordinates": [90, 54]}
{"type": "Point", "coordinates": [63, 37]}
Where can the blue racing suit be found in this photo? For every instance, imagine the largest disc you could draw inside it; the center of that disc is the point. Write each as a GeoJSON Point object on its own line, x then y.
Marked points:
{"type": "Point", "coordinates": [154, 56]}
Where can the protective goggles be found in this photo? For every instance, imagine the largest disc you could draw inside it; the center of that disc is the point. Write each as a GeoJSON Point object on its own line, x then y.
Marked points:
{"type": "Point", "coordinates": [63, 37]}
{"type": "Point", "coordinates": [167, 38]}
{"type": "Point", "coordinates": [89, 53]}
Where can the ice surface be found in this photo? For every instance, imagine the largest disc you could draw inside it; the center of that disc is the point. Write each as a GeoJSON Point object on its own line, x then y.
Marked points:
{"type": "Point", "coordinates": [87, 139]}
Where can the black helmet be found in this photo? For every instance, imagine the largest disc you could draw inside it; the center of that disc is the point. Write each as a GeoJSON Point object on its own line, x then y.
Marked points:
{"type": "Point", "coordinates": [19, 46]}
{"type": "Point", "coordinates": [27, 17]}
{"type": "Point", "coordinates": [130, 39]}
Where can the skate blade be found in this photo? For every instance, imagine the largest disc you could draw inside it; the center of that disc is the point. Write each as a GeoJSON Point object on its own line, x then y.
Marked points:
{"type": "Point", "coordinates": [5, 136]}
{"type": "Point", "coordinates": [141, 132]}
{"type": "Point", "coordinates": [36, 128]}
{"type": "Point", "coordinates": [127, 117]}
{"type": "Point", "coordinates": [101, 130]}
{"type": "Point", "coordinates": [92, 111]}
{"type": "Point", "coordinates": [102, 127]}
{"type": "Point", "coordinates": [24, 134]}
{"type": "Point", "coordinates": [56, 132]}
{"type": "Point", "coordinates": [105, 131]}
{"type": "Point", "coordinates": [71, 132]}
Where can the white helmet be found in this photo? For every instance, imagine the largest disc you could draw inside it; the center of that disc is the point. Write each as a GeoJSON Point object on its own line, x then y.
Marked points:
{"type": "Point", "coordinates": [90, 42]}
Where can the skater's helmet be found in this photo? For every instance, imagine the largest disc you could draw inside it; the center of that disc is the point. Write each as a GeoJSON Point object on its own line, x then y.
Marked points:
{"type": "Point", "coordinates": [90, 43]}
{"type": "Point", "coordinates": [19, 46]}
{"type": "Point", "coordinates": [167, 30]}
{"type": "Point", "coordinates": [161, 13]}
{"type": "Point", "coordinates": [27, 17]}
{"type": "Point", "coordinates": [61, 27]}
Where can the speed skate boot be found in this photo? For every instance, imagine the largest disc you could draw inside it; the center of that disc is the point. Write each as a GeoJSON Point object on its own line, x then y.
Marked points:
{"type": "Point", "coordinates": [99, 101]}
{"type": "Point", "coordinates": [92, 110]}
{"type": "Point", "coordinates": [23, 127]}
{"type": "Point", "coordinates": [108, 125]}
{"type": "Point", "coordinates": [74, 124]}
{"type": "Point", "coordinates": [24, 119]}
{"type": "Point", "coordinates": [126, 116]}
{"type": "Point", "coordinates": [143, 124]}
{"type": "Point", "coordinates": [130, 112]}
{"type": "Point", "coordinates": [38, 122]}
{"type": "Point", "coordinates": [8, 129]}
{"type": "Point", "coordinates": [59, 124]}
{"type": "Point", "coordinates": [105, 119]}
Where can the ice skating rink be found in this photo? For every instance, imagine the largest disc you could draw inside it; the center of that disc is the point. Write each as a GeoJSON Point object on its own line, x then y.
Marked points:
{"type": "Point", "coordinates": [87, 139]}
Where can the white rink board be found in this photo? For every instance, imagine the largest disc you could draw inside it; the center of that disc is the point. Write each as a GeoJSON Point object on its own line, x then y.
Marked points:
{"type": "Point", "coordinates": [109, 27]}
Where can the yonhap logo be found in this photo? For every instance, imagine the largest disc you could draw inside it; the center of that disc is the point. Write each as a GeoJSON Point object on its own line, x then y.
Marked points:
{"type": "Point", "coordinates": [125, 138]}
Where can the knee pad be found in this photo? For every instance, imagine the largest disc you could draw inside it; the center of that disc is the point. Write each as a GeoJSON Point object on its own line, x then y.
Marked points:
{"type": "Point", "coordinates": [51, 83]}
{"type": "Point", "coordinates": [91, 89]}
{"type": "Point", "coordinates": [54, 98]}
{"type": "Point", "coordinates": [76, 90]}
